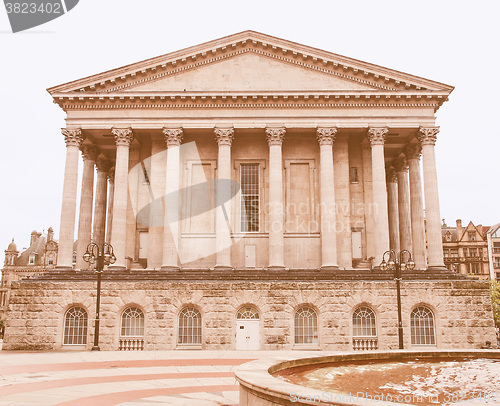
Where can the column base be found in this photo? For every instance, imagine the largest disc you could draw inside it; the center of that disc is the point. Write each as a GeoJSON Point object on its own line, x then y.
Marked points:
{"type": "Point", "coordinates": [95, 348]}
{"type": "Point", "coordinates": [223, 268]}
{"type": "Point", "coordinates": [275, 268]}
{"type": "Point", "coordinates": [329, 268]}
{"type": "Point", "coordinates": [169, 268]}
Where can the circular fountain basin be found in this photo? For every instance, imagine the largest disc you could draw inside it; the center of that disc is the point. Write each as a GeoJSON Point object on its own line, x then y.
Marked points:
{"type": "Point", "coordinates": [380, 378]}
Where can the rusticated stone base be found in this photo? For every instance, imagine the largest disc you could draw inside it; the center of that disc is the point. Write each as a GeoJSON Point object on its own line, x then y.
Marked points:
{"type": "Point", "coordinates": [462, 311]}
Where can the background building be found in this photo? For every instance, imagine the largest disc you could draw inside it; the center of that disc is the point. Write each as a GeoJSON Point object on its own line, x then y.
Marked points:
{"type": "Point", "coordinates": [250, 187]}
{"type": "Point", "coordinates": [493, 240]}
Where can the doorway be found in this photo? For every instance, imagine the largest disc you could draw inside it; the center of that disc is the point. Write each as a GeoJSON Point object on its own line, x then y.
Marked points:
{"type": "Point", "coordinates": [248, 329]}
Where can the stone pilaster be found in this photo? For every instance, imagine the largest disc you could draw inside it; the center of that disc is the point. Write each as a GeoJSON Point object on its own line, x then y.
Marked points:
{"type": "Point", "coordinates": [427, 138]}
{"type": "Point", "coordinates": [412, 153]}
{"type": "Point", "coordinates": [224, 138]}
{"type": "Point", "coordinates": [401, 167]}
{"type": "Point", "coordinates": [101, 191]}
{"type": "Point", "coordinates": [392, 203]}
{"type": "Point", "coordinates": [275, 138]}
{"type": "Point", "coordinates": [89, 154]}
{"type": "Point", "coordinates": [376, 136]}
{"type": "Point", "coordinates": [173, 139]}
{"type": "Point", "coordinates": [123, 138]}
{"type": "Point", "coordinates": [326, 138]}
{"type": "Point", "coordinates": [73, 139]}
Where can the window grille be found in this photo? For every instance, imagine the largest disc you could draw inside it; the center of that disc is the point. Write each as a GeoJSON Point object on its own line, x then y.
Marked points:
{"type": "Point", "coordinates": [189, 326]}
{"type": "Point", "coordinates": [75, 326]}
{"type": "Point", "coordinates": [306, 326]}
{"type": "Point", "coordinates": [132, 323]}
{"type": "Point", "coordinates": [422, 327]}
{"type": "Point", "coordinates": [247, 313]}
{"type": "Point", "coordinates": [363, 322]}
{"type": "Point", "coordinates": [250, 197]}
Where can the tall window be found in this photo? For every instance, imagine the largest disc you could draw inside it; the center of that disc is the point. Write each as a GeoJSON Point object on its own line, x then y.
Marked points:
{"type": "Point", "coordinates": [189, 326]}
{"type": "Point", "coordinates": [132, 323]}
{"type": "Point", "coordinates": [306, 326]}
{"type": "Point", "coordinates": [250, 198]}
{"type": "Point", "coordinates": [51, 259]}
{"type": "Point", "coordinates": [496, 248]}
{"type": "Point", "coordinates": [422, 327]}
{"type": "Point", "coordinates": [363, 322]}
{"type": "Point", "coordinates": [75, 326]}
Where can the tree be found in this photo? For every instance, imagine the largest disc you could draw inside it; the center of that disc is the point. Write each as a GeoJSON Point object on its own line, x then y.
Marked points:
{"type": "Point", "coordinates": [495, 300]}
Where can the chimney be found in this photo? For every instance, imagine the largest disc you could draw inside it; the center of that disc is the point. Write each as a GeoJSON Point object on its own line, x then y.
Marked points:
{"type": "Point", "coordinates": [459, 229]}
{"type": "Point", "coordinates": [50, 234]}
{"type": "Point", "coordinates": [34, 236]}
{"type": "Point", "coordinates": [480, 229]}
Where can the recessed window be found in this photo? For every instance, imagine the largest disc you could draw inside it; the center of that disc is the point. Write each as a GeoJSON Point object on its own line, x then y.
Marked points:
{"type": "Point", "coordinates": [75, 326]}
{"type": "Point", "coordinates": [306, 326]}
{"type": "Point", "coordinates": [363, 323]}
{"type": "Point", "coordinates": [132, 323]}
{"type": "Point", "coordinates": [422, 327]}
{"type": "Point", "coordinates": [250, 198]}
{"type": "Point", "coordinates": [189, 326]}
{"type": "Point", "coordinates": [353, 174]}
{"type": "Point", "coordinates": [31, 259]}
{"type": "Point", "coordinates": [454, 253]}
{"type": "Point", "coordinates": [50, 261]}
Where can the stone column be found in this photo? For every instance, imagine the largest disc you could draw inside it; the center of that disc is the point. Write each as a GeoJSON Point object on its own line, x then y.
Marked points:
{"type": "Point", "coordinates": [89, 154]}
{"type": "Point", "coordinates": [275, 138]}
{"type": "Point", "coordinates": [376, 137]}
{"type": "Point", "coordinates": [73, 139]}
{"type": "Point", "coordinates": [123, 138]}
{"type": "Point", "coordinates": [224, 138]}
{"type": "Point", "coordinates": [173, 138]}
{"type": "Point", "coordinates": [326, 138]}
{"type": "Point", "coordinates": [101, 190]}
{"type": "Point", "coordinates": [412, 153]}
{"type": "Point", "coordinates": [401, 167]}
{"type": "Point", "coordinates": [109, 214]}
{"type": "Point", "coordinates": [427, 138]}
{"type": "Point", "coordinates": [392, 203]}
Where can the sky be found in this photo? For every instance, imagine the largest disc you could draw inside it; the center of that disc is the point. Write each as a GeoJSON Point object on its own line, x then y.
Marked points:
{"type": "Point", "coordinates": [453, 42]}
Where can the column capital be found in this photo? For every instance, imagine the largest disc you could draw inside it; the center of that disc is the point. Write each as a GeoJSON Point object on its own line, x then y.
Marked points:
{"type": "Point", "coordinates": [376, 135]}
{"type": "Point", "coordinates": [413, 151]}
{"type": "Point", "coordinates": [103, 165]}
{"type": "Point", "coordinates": [89, 153]}
{"type": "Point", "coordinates": [72, 137]}
{"type": "Point", "coordinates": [173, 136]}
{"type": "Point", "coordinates": [326, 136]}
{"type": "Point", "coordinates": [391, 174]}
{"type": "Point", "coordinates": [275, 136]}
{"type": "Point", "coordinates": [400, 164]}
{"type": "Point", "coordinates": [428, 135]}
{"type": "Point", "coordinates": [123, 136]}
{"type": "Point", "coordinates": [224, 136]}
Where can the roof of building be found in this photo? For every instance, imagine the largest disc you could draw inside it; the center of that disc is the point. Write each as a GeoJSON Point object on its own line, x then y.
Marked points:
{"type": "Point", "coordinates": [37, 248]}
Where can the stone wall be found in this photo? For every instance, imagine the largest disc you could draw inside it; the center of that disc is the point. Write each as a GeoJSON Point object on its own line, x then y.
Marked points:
{"type": "Point", "coordinates": [462, 311]}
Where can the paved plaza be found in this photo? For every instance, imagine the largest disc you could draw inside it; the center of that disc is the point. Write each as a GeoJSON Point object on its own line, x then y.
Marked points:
{"type": "Point", "coordinates": [202, 378]}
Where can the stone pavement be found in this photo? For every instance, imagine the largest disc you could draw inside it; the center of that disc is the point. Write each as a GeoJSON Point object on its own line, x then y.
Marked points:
{"type": "Point", "coordinates": [142, 378]}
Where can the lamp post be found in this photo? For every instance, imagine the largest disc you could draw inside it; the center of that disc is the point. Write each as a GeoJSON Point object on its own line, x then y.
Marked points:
{"type": "Point", "coordinates": [99, 257]}
{"type": "Point", "coordinates": [397, 264]}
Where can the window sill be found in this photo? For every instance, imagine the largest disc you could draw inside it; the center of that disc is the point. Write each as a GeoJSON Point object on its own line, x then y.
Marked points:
{"type": "Point", "coordinates": [189, 347]}
{"type": "Point", "coordinates": [306, 347]}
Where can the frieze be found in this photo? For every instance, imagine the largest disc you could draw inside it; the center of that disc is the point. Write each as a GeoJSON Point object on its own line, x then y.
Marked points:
{"type": "Point", "coordinates": [224, 136]}
{"type": "Point", "coordinates": [326, 136]}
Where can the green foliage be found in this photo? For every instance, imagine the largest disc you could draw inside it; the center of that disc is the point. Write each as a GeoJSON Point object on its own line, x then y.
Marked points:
{"type": "Point", "coordinates": [495, 300]}
{"type": "Point", "coordinates": [2, 328]}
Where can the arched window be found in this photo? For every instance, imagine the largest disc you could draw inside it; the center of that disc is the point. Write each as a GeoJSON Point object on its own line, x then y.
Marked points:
{"type": "Point", "coordinates": [306, 326]}
{"type": "Point", "coordinates": [364, 329]}
{"type": "Point", "coordinates": [363, 323]}
{"type": "Point", "coordinates": [422, 327]}
{"type": "Point", "coordinates": [247, 313]}
{"type": "Point", "coordinates": [75, 326]}
{"type": "Point", "coordinates": [132, 322]}
{"type": "Point", "coordinates": [189, 326]}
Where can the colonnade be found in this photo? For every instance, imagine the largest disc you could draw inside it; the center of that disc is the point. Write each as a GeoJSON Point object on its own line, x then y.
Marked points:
{"type": "Point", "coordinates": [397, 221]}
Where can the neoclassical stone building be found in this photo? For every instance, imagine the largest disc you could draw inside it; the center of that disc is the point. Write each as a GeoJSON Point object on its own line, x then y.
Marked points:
{"type": "Point", "coordinates": [249, 187]}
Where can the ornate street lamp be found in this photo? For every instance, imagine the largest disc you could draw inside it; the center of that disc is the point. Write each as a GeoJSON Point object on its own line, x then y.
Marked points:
{"type": "Point", "coordinates": [397, 264]}
{"type": "Point", "coordinates": [99, 257]}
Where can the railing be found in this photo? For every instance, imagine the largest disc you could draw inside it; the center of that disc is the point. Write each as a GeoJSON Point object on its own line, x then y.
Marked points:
{"type": "Point", "coordinates": [364, 343]}
{"type": "Point", "coordinates": [131, 344]}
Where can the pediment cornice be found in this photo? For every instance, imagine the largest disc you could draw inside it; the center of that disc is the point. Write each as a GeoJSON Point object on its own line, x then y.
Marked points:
{"type": "Point", "coordinates": [378, 78]}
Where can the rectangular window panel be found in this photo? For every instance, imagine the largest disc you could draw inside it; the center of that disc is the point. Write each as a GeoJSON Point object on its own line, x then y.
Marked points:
{"type": "Point", "coordinates": [250, 197]}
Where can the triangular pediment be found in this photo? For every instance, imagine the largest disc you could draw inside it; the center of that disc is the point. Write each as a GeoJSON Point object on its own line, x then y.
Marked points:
{"type": "Point", "coordinates": [250, 61]}
{"type": "Point", "coordinates": [249, 72]}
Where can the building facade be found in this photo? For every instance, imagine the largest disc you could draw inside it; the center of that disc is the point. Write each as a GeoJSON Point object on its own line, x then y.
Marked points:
{"type": "Point", "coordinates": [493, 241]}
{"type": "Point", "coordinates": [466, 249]}
{"type": "Point", "coordinates": [249, 158]}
